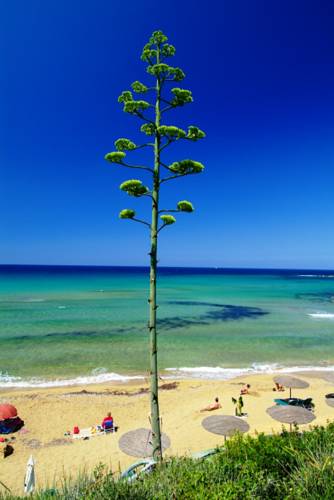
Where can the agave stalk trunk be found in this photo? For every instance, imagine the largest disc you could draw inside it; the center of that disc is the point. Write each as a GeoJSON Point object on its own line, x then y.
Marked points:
{"type": "Point", "coordinates": [155, 415]}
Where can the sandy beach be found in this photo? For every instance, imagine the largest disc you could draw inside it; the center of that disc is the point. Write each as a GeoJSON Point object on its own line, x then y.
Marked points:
{"type": "Point", "coordinates": [49, 413]}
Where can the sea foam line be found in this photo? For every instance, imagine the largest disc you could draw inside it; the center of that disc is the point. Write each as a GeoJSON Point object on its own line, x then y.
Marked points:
{"type": "Point", "coordinates": [321, 315]}
{"type": "Point", "coordinates": [220, 373]}
{"type": "Point", "coordinates": [199, 372]}
{"type": "Point", "coordinates": [316, 275]}
{"type": "Point", "coordinates": [10, 381]}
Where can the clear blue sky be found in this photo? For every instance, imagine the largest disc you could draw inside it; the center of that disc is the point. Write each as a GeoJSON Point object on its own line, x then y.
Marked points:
{"type": "Point", "coordinates": [262, 76]}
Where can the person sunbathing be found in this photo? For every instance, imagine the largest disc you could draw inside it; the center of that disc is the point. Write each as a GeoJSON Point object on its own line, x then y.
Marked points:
{"type": "Point", "coordinates": [245, 389]}
{"type": "Point", "coordinates": [278, 387]}
{"type": "Point", "coordinates": [108, 422]}
{"type": "Point", "coordinates": [213, 406]}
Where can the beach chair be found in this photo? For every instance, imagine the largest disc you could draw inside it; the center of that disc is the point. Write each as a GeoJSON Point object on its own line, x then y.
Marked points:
{"type": "Point", "coordinates": [303, 403]}
{"type": "Point", "coordinates": [144, 466]}
{"type": "Point", "coordinates": [206, 454]}
{"type": "Point", "coordinates": [281, 402]}
{"type": "Point", "coordinates": [110, 427]}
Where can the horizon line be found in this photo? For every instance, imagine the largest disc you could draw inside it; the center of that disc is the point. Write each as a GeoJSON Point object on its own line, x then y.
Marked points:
{"type": "Point", "coordinates": [108, 266]}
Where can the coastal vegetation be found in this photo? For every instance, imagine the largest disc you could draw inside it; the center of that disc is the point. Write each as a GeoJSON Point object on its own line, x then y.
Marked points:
{"type": "Point", "coordinates": [161, 136]}
{"type": "Point", "coordinates": [290, 465]}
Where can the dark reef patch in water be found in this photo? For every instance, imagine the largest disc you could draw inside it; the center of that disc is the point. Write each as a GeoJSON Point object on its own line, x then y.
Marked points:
{"type": "Point", "coordinates": [193, 303]}
{"type": "Point", "coordinates": [92, 333]}
{"type": "Point", "coordinates": [179, 322]}
{"type": "Point", "coordinates": [228, 313]}
{"type": "Point", "coordinates": [216, 313]}
{"type": "Point", "coordinates": [72, 334]}
{"type": "Point", "coordinates": [225, 312]}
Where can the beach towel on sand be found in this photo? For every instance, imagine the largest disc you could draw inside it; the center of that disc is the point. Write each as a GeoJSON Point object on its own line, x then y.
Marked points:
{"type": "Point", "coordinates": [88, 433]}
{"type": "Point", "coordinates": [91, 432]}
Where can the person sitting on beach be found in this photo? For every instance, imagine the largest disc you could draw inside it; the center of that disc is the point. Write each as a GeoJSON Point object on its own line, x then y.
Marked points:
{"type": "Point", "coordinates": [278, 387]}
{"type": "Point", "coordinates": [245, 389]}
{"type": "Point", "coordinates": [213, 406]}
{"type": "Point", "coordinates": [108, 422]}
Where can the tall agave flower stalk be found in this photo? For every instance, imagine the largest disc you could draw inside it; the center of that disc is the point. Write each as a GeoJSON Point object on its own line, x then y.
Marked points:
{"type": "Point", "coordinates": [160, 136]}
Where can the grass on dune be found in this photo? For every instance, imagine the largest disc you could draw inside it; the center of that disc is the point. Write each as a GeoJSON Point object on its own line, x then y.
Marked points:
{"type": "Point", "coordinates": [287, 466]}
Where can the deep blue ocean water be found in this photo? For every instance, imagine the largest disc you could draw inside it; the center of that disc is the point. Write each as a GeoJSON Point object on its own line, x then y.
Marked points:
{"type": "Point", "coordinates": [90, 323]}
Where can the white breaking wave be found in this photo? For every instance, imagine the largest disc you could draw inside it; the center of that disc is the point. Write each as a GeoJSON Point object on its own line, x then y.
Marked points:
{"type": "Point", "coordinates": [30, 299]}
{"type": "Point", "coordinates": [100, 375]}
{"type": "Point", "coordinates": [24, 299]}
{"type": "Point", "coordinates": [10, 381]}
{"type": "Point", "coordinates": [220, 373]}
{"type": "Point", "coordinates": [321, 315]}
{"type": "Point", "coordinates": [316, 275]}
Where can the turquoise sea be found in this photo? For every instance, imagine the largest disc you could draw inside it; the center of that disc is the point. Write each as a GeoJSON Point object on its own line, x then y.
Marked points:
{"type": "Point", "coordinates": [59, 324]}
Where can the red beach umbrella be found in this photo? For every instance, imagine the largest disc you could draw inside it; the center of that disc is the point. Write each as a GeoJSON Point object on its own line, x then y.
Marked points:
{"type": "Point", "coordinates": [7, 411]}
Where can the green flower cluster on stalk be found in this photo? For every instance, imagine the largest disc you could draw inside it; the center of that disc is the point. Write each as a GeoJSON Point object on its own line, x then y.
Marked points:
{"type": "Point", "coordinates": [165, 71]}
{"type": "Point", "coordinates": [125, 96]}
{"type": "Point", "coordinates": [139, 87]}
{"type": "Point", "coordinates": [148, 128]}
{"type": "Point", "coordinates": [185, 167]}
{"type": "Point", "coordinates": [127, 213]}
{"type": "Point", "coordinates": [195, 133]}
{"type": "Point", "coordinates": [115, 157]}
{"type": "Point", "coordinates": [130, 105]}
{"type": "Point", "coordinates": [157, 38]}
{"type": "Point", "coordinates": [167, 219]}
{"type": "Point", "coordinates": [124, 144]}
{"type": "Point", "coordinates": [171, 132]}
{"type": "Point", "coordinates": [185, 206]}
{"type": "Point", "coordinates": [135, 106]}
{"type": "Point", "coordinates": [134, 187]}
{"type": "Point", "coordinates": [181, 97]}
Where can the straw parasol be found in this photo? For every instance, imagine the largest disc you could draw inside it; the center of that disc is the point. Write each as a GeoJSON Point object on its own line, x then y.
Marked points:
{"type": "Point", "coordinates": [329, 377]}
{"type": "Point", "coordinates": [330, 400]}
{"type": "Point", "coordinates": [288, 414]}
{"type": "Point", "coordinates": [225, 425]}
{"type": "Point", "coordinates": [138, 443]}
{"type": "Point", "coordinates": [291, 382]}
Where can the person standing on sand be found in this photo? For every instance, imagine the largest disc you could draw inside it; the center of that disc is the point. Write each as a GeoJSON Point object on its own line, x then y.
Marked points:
{"type": "Point", "coordinates": [213, 406]}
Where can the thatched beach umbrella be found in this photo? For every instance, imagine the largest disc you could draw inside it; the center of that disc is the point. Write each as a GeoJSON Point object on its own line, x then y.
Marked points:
{"type": "Point", "coordinates": [288, 414]}
{"type": "Point", "coordinates": [291, 382]}
{"type": "Point", "coordinates": [330, 399]}
{"type": "Point", "coordinates": [225, 425]}
{"type": "Point", "coordinates": [329, 377]}
{"type": "Point", "coordinates": [138, 443]}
